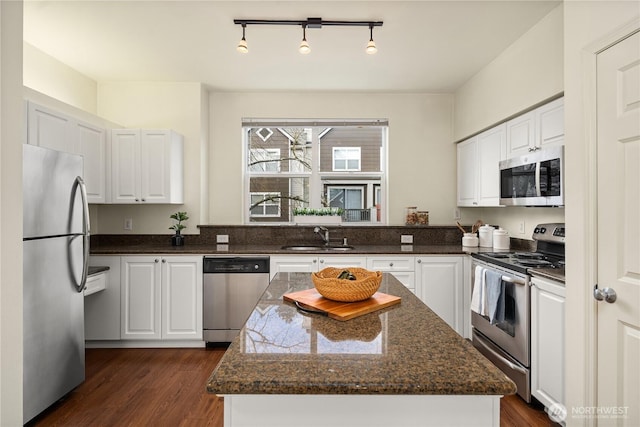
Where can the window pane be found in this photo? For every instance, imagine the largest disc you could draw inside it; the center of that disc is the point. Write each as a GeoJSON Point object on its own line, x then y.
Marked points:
{"type": "Point", "coordinates": [368, 139]}
{"type": "Point", "coordinates": [283, 150]}
{"type": "Point", "coordinates": [273, 198]}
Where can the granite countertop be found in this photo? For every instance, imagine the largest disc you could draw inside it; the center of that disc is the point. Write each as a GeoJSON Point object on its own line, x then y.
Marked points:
{"type": "Point", "coordinates": [556, 274]}
{"type": "Point", "coordinates": [403, 349]}
{"type": "Point", "coordinates": [146, 248]}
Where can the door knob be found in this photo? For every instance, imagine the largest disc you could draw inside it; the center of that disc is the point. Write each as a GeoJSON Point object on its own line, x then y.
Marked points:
{"type": "Point", "coordinates": [605, 294]}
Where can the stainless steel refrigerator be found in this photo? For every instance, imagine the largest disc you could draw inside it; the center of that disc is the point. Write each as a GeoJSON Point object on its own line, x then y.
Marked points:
{"type": "Point", "coordinates": [56, 252]}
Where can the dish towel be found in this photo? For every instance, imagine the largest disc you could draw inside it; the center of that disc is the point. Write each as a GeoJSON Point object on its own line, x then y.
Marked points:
{"type": "Point", "coordinates": [494, 291]}
{"type": "Point", "coordinates": [477, 296]}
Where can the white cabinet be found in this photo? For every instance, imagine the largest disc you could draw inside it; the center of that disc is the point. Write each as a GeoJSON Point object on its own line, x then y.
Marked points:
{"type": "Point", "coordinates": [311, 263]}
{"type": "Point", "coordinates": [401, 267]}
{"type": "Point", "coordinates": [538, 129]}
{"type": "Point", "coordinates": [439, 284]}
{"type": "Point", "coordinates": [146, 166]}
{"type": "Point", "coordinates": [161, 298]}
{"type": "Point", "coordinates": [547, 341]}
{"type": "Point", "coordinates": [102, 309]}
{"type": "Point", "coordinates": [59, 131]}
{"type": "Point", "coordinates": [478, 172]}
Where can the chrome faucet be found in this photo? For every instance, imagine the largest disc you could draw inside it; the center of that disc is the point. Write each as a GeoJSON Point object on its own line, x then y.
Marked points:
{"type": "Point", "coordinates": [325, 237]}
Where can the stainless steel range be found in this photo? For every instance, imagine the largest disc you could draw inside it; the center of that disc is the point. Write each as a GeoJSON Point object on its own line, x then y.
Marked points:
{"type": "Point", "coordinates": [506, 339]}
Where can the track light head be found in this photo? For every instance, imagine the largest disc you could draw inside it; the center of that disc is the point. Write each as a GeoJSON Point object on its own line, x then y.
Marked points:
{"type": "Point", "coordinates": [371, 46]}
{"type": "Point", "coordinates": [242, 45]}
{"type": "Point", "coordinates": [304, 46]}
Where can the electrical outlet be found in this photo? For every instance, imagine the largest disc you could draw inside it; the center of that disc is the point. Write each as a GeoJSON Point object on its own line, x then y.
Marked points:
{"type": "Point", "coordinates": [456, 213]}
{"type": "Point", "coordinates": [406, 238]}
{"type": "Point", "coordinates": [128, 224]}
{"type": "Point", "coordinates": [521, 227]}
{"type": "Point", "coordinates": [222, 238]}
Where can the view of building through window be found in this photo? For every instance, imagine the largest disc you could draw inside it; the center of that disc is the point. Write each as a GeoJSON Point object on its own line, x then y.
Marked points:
{"type": "Point", "coordinates": [332, 164]}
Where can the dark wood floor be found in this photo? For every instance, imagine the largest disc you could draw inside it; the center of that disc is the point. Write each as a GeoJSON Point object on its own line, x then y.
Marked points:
{"type": "Point", "coordinates": [166, 387]}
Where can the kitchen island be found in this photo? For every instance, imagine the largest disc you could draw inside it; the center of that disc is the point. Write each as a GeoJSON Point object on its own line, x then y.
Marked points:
{"type": "Point", "coordinates": [400, 366]}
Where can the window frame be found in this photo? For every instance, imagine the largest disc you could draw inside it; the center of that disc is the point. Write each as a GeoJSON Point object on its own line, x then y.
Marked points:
{"type": "Point", "coordinates": [264, 207]}
{"type": "Point", "coordinates": [347, 159]}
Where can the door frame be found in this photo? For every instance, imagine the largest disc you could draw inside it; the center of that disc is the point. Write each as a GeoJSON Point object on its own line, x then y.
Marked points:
{"type": "Point", "coordinates": [588, 349]}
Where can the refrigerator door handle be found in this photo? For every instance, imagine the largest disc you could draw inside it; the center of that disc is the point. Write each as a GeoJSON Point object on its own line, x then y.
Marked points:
{"type": "Point", "coordinates": [86, 233]}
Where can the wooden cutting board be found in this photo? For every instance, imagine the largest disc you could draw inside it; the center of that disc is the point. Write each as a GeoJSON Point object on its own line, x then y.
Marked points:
{"type": "Point", "coordinates": [310, 298]}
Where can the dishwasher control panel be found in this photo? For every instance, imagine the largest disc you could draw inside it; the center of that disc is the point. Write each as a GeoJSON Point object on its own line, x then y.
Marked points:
{"type": "Point", "coordinates": [235, 265]}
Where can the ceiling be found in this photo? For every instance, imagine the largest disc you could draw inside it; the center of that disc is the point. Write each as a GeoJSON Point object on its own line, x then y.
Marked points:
{"type": "Point", "coordinates": [423, 46]}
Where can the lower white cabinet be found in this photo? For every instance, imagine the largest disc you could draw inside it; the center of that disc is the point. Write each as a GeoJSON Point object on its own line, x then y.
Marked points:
{"type": "Point", "coordinates": [401, 267]}
{"type": "Point", "coordinates": [439, 284]}
{"type": "Point", "coordinates": [161, 298]}
{"type": "Point", "coordinates": [311, 263]}
{"type": "Point", "coordinates": [102, 309]}
{"type": "Point", "coordinates": [547, 341]}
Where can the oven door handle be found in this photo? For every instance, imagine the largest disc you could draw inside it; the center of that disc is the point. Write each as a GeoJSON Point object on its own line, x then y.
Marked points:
{"type": "Point", "coordinates": [513, 280]}
{"type": "Point", "coordinates": [501, 358]}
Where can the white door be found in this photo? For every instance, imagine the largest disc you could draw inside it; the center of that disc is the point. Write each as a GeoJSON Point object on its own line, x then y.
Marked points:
{"type": "Point", "coordinates": [618, 159]}
{"type": "Point", "coordinates": [140, 297]}
{"type": "Point", "coordinates": [91, 145]}
{"type": "Point", "coordinates": [182, 298]}
{"type": "Point", "coordinates": [155, 159]}
{"type": "Point", "coordinates": [125, 166]}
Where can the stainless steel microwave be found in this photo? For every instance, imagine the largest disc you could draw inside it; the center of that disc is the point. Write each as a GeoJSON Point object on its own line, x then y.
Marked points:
{"type": "Point", "coordinates": [534, 179]}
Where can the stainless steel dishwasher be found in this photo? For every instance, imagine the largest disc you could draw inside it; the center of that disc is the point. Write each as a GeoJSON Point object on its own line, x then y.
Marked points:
{"type": "Point", "coordinates": [232, 287]}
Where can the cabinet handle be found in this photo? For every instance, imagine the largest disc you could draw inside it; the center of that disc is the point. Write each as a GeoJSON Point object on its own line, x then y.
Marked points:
{"type": "Point", "coordinates": [390, 264]}
{"type": "Point", "coordinates": [315, 261]}
{"type": "Point", "coordinates": [321, 261]}
{"type": "Point", "coordinates": [156, 260]}
{"type": "Point", "coordinates": [419, 261]}
{"type": "Point", "coordinates": [137, 200]}
{"type": "Point", "coordinates": [143, 200]}
{"type": "Point", "coordinates": [164, 260]}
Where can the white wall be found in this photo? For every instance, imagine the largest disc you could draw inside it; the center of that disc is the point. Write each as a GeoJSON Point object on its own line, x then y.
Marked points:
{"type": "Point", "coordinates": [11, 213]}
{"type": "Point", "coordinates": [585, 23]}
{"type": "Point", "coordinates": [421, 155]}
{"type": "Point", "coordinates": [526, 73]}
{"type": "Point", "coordinates": [157, 105]}
{"type": "Point", "coordinates": [47, 75]}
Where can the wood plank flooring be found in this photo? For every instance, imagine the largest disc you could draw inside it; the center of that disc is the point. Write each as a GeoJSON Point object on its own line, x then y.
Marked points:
{"type": "Point", "coordinates": [166, 387]}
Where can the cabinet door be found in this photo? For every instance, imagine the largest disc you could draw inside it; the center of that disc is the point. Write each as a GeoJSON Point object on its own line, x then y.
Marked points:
{"type": "Point", "coordinates": [91, 145]}
{"type": "Point", "coordinates": [140, 298]}
{"type": "Point", "coordinates": [439, 286]}
{"type": "Point", "coordinates": [520, 135]}
{"type": "Point", "coordinates": [155, 163]}
{"type": "Point", "coordinates": [491, 148]}
{"type": "Point", "coordinates": [182, 298]}
{"type": "Point", "coordinates": [293, 264]}
{"type": "Point", "coordinates": [50, 129]}
{"type": "Point", "coordinates": [547, 341]}
{"type": "Point", "coordinates": [467, 161]}
{"type": "Point", "coordinates": [125, 166]}
{"type": "Point", "coordinates": [401, 267]}
{"type": "Point", "coordinates": [550, 124]}
{"type": "Point", "coordinates": [102, 309]}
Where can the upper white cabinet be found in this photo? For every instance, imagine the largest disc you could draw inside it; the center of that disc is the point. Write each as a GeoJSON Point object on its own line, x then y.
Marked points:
{"type": "Point", "coordinates": [59, 131]}
{"type": "Point", "coordinates": [439, 284]}
{"type": "Point", "coordinates": [538, 129]}
{"type": "Point", "coordinates": [478, 172]}
{"type": "Point", "coordinates": [146, 166]}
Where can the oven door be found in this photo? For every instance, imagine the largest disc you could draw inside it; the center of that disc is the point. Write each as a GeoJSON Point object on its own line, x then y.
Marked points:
{"type": "Point", "coordinates": [533, 180]}
{"type": "Point", "coordinates": [513, 335]}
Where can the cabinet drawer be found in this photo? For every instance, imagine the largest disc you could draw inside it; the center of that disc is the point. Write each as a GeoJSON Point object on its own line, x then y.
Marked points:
{"type": "Point", "coordinates": [96, 283]}
{"type": "Point", "coordinates": [390, 263]}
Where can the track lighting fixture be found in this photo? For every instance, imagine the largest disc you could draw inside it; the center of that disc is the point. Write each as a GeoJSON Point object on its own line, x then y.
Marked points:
{"type": "Point", "coordinates": [308, 23]}
{"type": "Point", "coordinates": [242, 46]}
{"type": "Point", "coordinates": [304, 46]}
{"type": "Point", "coordinates": [371, 46]}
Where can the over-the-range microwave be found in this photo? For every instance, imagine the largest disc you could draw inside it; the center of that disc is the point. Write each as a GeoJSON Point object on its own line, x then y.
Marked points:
{"type": "Point", "coordinates": [535, 179]}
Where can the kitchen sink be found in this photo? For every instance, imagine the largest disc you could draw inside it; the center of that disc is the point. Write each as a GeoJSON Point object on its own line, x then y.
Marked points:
{"type": "Point", "coordinates": [310, 248]}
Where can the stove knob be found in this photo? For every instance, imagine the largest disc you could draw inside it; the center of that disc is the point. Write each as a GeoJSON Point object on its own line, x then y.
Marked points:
{"type": "Point", "coordinates": [543, 230]}
{"type": "Point", "coordinates": [536, 230]}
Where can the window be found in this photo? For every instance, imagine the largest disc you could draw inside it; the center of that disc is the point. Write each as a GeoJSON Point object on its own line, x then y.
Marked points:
{"type": "Point", "coordinates": [297, 164]}
{"type": "Point", "coordinates": [265, 205]}
{"type": "Point", "coordinates": [346, 158]}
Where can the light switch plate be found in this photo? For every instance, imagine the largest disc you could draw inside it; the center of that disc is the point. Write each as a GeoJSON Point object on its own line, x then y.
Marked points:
{"type": "Point", "coordinates": [406, 238]}
{"type": "Point", "coordinates": [222, 238]}
{"type": "Point", "coordinates": [128, 224]}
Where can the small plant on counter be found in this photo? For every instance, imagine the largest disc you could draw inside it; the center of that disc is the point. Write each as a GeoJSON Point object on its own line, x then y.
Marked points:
{"type": "Point", "coordinates": [179, 216]}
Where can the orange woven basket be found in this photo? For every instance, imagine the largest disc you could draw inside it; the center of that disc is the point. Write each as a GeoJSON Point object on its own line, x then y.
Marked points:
{"type": "Point", "coordinates": [329, 286]}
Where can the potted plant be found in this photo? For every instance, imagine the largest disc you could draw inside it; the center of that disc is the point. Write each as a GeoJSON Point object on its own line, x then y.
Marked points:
{"type": "Point", "coordinates": [325, 215]}
{"type": "Point", "coordinates": [178, 239]}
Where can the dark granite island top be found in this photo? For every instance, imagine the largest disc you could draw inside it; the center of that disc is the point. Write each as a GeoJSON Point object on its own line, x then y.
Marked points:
{"type": "Point", "coordinates": [403, 350]}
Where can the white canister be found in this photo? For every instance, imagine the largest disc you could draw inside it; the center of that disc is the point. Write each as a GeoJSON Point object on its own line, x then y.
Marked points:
{"type": "Point", "coordinates": [486, 236]}
{"type": "Point", "coordinates": [500, 239]}
{"type": "Point", "coordinates": [470, 239]}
